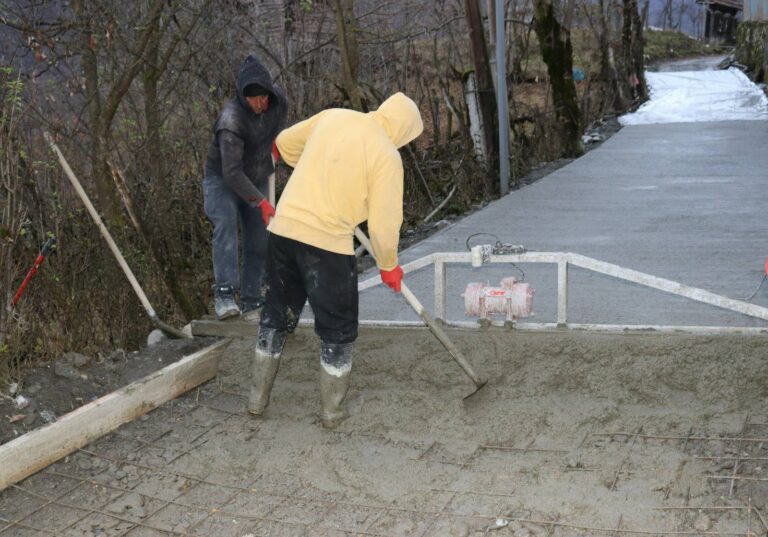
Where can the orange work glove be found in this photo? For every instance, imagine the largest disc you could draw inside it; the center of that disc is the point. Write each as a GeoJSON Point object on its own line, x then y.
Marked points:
{"type": "Point", "coordinates": [275, 153]}
{"type": "Point", "coordinates": [267, 211]}
{"type": "Point", "coordinates": [392, 278]}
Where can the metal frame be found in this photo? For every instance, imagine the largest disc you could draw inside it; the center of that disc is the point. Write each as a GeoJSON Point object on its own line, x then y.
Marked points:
{"type": "Point", "coordinates": [563, 262]}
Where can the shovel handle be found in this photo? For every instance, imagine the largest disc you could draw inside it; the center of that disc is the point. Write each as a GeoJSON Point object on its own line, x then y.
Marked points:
{"type": "Point", "coordinates": [435, 328]}
{"type": "Point", "coordinates": [110, 241]}
{"type": "Point", "coordinates": [440, 334]}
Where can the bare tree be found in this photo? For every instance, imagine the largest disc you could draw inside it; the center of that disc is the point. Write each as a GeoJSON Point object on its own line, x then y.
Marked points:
{"type": "Point", "coordinates": [484, 80]}
{"type": "Point", "coordinates": [632, 44]}
{"type": "Point", "coordinates": [345, 28]}
{"type": "Point", "coordinates": [101, 110]}
{"type": "Point", "coordinates": [557, 52]}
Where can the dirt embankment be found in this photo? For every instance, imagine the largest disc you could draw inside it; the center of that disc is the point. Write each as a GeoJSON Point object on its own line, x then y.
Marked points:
{"type": "Point", "coordinates": [50, 390]}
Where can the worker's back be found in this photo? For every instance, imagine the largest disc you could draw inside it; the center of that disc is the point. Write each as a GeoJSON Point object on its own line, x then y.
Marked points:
{"type": "Point", "coordinates": [347, 170]}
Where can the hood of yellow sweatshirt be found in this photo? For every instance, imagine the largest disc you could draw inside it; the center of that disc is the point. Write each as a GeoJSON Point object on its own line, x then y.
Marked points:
{"type": "Point", "coordinates": [400, 118]}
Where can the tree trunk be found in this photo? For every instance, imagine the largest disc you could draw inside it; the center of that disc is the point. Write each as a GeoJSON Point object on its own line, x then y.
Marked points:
{"type": "Point", "coordinates": [347, 33]}
{"type": "Point", "coordinates": [153, 122]}
{"type": "Point", "coordinates": [568, 11]}
{"type": "Point", "coordinates": [557, 52]}
{"type": "Point", "coordinates": [646, 11]}
{"type": "Point", "coordinates": [164, 264]}
{"type": "Point", "coordinates": [100, 112]}
{"type": "Point", "coordinates": [485, 91]}
{"type": "Point", "coordinates": [97, 135]}
{"type": "Point", "coordinates": [518, 43]}
{"type": "Point", "coordinates": [668, 22]}
{"type": "Point", "coordinates": [638, 52]}
{"type": "Point", "coordinates": [632, 44]}
{"type": "Point", "coordinates": [607, 64]}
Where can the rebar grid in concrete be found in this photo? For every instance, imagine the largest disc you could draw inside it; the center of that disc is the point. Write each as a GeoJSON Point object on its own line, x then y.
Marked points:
{"type": "Point", "coordinates": [164, 503]}
{"type": "Point", "coordinates": [233, 491]}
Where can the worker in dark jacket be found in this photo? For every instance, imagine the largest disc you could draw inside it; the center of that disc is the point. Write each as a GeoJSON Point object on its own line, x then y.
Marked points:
{"type": "Point", "coordinates": [237, 170]}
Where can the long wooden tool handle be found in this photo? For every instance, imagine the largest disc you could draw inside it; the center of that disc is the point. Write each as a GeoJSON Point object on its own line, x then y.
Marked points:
{"type": "Point", "coordinates": [440, 334]}
{"type": "Point", "coordinates": [417, 306]}
{"type": "Point", "coordinates": [110, 241]}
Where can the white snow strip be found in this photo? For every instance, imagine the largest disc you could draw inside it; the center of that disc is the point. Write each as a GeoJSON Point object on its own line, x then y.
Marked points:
{"type": "Point", "coordinates": [692, 96]}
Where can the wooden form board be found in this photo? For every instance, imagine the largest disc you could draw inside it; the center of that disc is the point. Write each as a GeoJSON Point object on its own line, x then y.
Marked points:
{"type": "Point", "coordinates": [35, 450]}
{"type": "Point", "coordinates": [206, 327]}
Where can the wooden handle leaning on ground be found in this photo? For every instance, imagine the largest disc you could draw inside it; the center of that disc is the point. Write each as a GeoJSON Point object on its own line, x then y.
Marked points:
{"type": "Point", "coordinates": [438, 332]}
{"type": "Point", "coordinates": [168, 329]}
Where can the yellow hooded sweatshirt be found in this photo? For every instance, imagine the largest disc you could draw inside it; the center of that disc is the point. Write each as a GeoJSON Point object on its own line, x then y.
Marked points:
{"type": "Point", "coordinates": [347, 170]}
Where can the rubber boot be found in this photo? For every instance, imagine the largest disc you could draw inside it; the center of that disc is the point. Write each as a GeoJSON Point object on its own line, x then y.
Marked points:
{"type": "Point", "coordinates": [224, 302]}
{"type": "Point", "coordinates": [336, 367]}
{"type": "Point", "coordinates": [269, 347]}
{"type": "Point", "coordinates": [251, 311]}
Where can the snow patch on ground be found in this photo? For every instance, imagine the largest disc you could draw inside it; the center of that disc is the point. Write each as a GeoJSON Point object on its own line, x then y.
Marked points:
{"type": "Point", "coordinates": [692, 96]}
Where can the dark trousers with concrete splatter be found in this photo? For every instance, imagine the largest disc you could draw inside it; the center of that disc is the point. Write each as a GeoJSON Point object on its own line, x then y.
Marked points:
{"type": "Point", "coordinates": [226, 210]}
{"type": "Point", "coordinates": [297, 272]}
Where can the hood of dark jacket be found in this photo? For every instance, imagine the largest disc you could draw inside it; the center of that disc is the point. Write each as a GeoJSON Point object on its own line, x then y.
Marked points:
{"type": "Point", "coordinates": [253, 72]}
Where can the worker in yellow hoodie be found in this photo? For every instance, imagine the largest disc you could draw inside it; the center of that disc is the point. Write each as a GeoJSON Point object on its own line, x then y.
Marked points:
{"type": "Point", "coordinates": [347, 170]}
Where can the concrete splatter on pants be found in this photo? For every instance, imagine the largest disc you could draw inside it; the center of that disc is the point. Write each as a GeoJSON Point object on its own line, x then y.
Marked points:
{"type": "Point", "coordinates": [226, 209]}
{"type": "Point", "coordinates": [297, 272]}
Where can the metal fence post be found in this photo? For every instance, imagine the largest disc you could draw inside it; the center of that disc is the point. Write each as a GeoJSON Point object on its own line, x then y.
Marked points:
{"type": "Point", "coordinates": [440, 289]}
{"type": "Point", "coordinates": [562, 292]}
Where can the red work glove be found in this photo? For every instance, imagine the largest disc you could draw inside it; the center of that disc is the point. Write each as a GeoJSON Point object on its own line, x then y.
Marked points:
{"type": "Point", "coordinates": [267, 211]}
{"type": "Point", "coordinates": [275, 153]}
{"type": "Point", "coordinates": [392, 278]}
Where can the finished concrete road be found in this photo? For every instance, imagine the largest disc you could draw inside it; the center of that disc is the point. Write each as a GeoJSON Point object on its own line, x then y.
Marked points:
{"type": "Point", "coordinates": [684, 201]}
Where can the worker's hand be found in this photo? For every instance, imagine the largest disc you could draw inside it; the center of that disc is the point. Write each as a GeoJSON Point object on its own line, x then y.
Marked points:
{"type": "Point", "coordinates": [275, 153]}
{"type": "Point", "coordinates": [267, 211]}
{"type": "Point", "coordinates": [392, 278]}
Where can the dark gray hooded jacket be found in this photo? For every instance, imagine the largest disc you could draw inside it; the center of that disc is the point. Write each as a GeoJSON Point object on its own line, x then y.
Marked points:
{"type": "Point", "coordinates": [242, 140]}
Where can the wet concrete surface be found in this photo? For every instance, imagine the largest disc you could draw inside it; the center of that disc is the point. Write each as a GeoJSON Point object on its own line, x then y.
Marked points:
{"type": "Point", "coordinates": [682, 201]}
{"type": "Point", "coordinates": [575, 434]}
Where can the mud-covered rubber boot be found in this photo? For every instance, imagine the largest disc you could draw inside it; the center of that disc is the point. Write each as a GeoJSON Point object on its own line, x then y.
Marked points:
{"type": "Point", "coordinates": [336, 366]}
{"type": "Point", "coordinates": [224, 302]}
{"type": "Point", "coordinates": [269, 347]}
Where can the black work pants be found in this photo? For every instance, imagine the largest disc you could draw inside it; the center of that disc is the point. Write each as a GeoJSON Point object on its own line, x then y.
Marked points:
{"type": "Point", "coordinates": [297, 272]}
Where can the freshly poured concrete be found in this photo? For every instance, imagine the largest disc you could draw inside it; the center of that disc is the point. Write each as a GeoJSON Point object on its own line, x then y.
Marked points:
{"type": "Point", "coordinates": [684, 202]}
{"type": "Point", "coordinates": [575, 434]}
